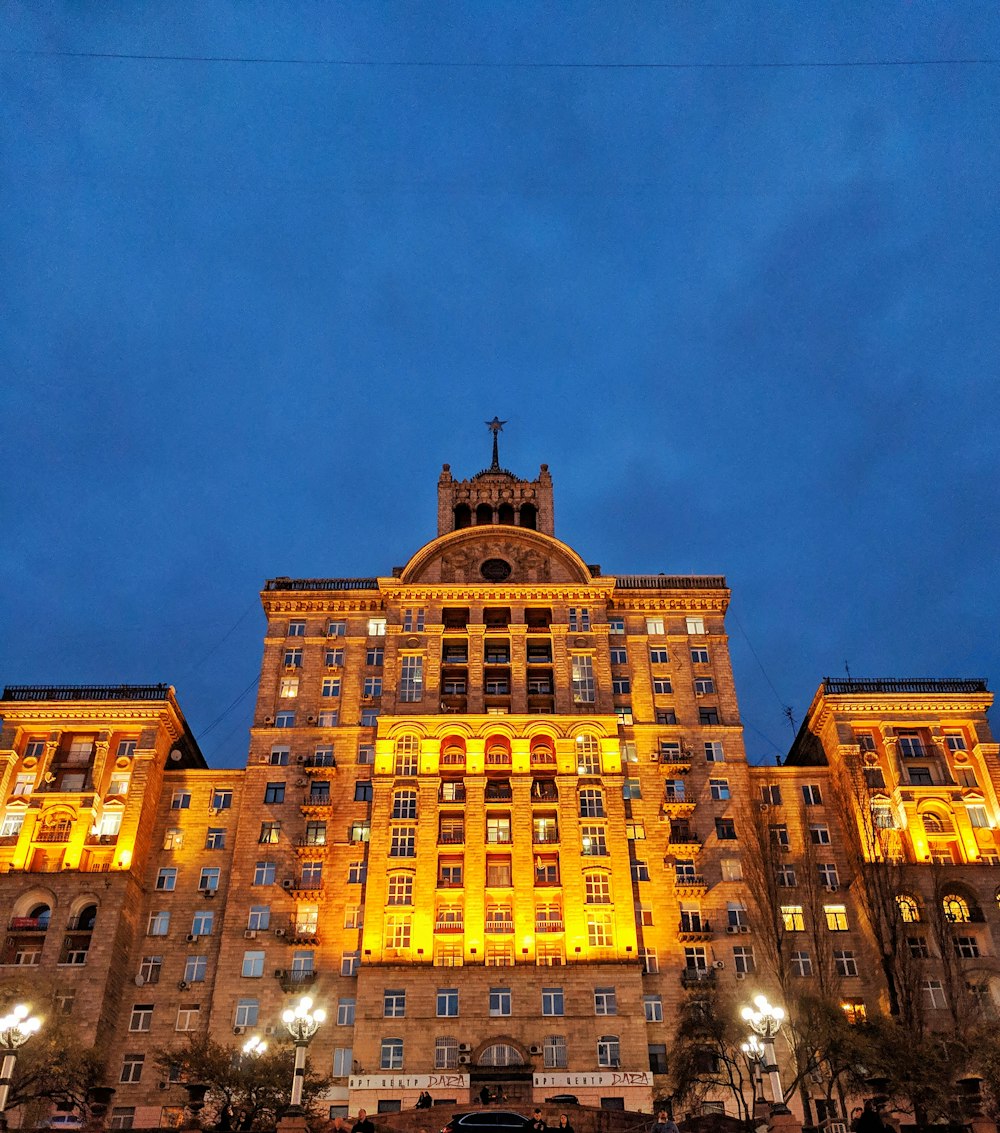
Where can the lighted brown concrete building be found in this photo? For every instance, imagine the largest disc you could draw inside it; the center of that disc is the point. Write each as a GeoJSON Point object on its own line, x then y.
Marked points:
{"type": "Point", "coordinates": [496, 817]}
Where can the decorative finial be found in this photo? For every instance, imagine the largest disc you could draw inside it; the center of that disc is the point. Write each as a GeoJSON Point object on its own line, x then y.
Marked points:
{"type": "Point", "coordinates": [495, 426]}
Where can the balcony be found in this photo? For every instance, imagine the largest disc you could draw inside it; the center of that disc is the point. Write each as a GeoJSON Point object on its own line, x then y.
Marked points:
{"type": "Point", "coordinates": [455, 793]}
{"type": "Point", "coordinates": [303, 933]}
{"type": "Point", "coordinates": [451, 838]}
{"type": "Point", "coordinates": [28, 924]}
{"type": "Point", "coordinates": [697, 977]}
{"type": "Point", "coordinates": [549, 925]}
{"type": "Point", "coordinates": [498, 793]}
{"type": "Point", "coordinates": [316, 842]}
{"type": "Point", "coordinates": [313, 766]}
{"type": "Point", "coordinates": [81, 924]}
{"type": "Point", "coordinates": [316, 801]}
{"type": "Point", "coordinates": [694, 930]}
{"type": "Point", "coordinates": [689, 882]}
{"type": "Point", "coordinates": [544, 837]}
{"type": "Point", "coordinates": [8, 839]}
{"type": "Point", "coordinates": [455, 657]}
{"type": "Point", "coordinates": [291, 979]}
{"type": "Point", "coordinates": [100, 839]}
{"type": "Point", "coordinates": [304, 888]}
{"type": "Point", "coordinates": [677, 806]}
{"type": "Point", "coordinates": [544, 790]}
{"type": "Point", "coordinates": [46, 834]}
{"type": "Point", "coordinates": [684, 840]}
{"type": "Point", "coordinates": [501, 925]}
{"type": "Point", "coordinates": [449, 926]}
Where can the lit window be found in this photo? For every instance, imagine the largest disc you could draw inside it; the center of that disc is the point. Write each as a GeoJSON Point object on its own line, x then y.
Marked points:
{"type": "Point", "coordinates": [376, 627]}
{"type": "Point", "coordinates": [582, 674]}
{"type": "Point", "coordinates": [600, 930]}
{"type": "Point", "coordinates": [695, 625]}
{"type": "Point", "coordinates": [732, 869]}
{"type": "Point", "coordinates": [289, 688]}
{"type": "Point", "coordinates": [956, 909]}
{"type": "Point", "coordinates": [397, 931]}
{"type": "Point", "coordinates": [836, 917]}
{"type": "Point", "coordinates": [411, 681]}
{"type": "Point", "coordinates": [792, 918]}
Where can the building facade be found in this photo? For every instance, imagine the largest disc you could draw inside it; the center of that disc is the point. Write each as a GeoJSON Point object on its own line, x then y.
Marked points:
{"type": "Point", "coordinates": [496, 817]}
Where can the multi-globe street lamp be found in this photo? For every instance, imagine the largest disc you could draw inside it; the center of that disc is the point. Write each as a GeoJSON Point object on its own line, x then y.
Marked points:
{"type": "Point", "coordinates": [766, 1021]}
{"type": "Point", "coordinates": [15, 1029]}
{"type": "Point", "coordinates": [254, 1047]}
{"type": "Point", "coordinates": [302, 1023]}
{"type": "Point", "coordinates": [753, 1052]}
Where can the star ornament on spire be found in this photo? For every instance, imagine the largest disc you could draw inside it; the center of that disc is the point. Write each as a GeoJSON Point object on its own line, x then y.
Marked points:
{"type": "Point", "coordinates": [495, 427]}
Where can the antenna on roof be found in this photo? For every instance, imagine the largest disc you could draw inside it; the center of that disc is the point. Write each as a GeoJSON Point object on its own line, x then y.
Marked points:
{"type": "Point", "coordinates": [847, 670]}
{"type": "Point", "coordinates": [789, 716]}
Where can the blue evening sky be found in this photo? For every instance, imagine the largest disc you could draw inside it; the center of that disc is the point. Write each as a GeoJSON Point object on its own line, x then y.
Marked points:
{"type": "Point", "coordinates": [745, 307]}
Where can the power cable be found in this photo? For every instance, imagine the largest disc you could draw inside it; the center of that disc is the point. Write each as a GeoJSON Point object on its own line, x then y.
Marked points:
{"type": "Point", "coordinates": [218, 720]}
{"type": "Point", "coordinates": [480, 64]}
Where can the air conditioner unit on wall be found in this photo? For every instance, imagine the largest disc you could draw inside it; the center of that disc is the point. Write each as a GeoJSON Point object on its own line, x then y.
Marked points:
{"type": "Point", "coordinates": [464, 1060]}
{"type": "Point", "coordinates": [464, 1048]}
{"type": "Point", "coordinates": [250, 934]}
{"type": "Point", "coordinates": [718, 963]}
{"type": "Point", "coordinates": [238, 1030]}
{"type": "Point", "coordinates": [741, 975]}
{"type": "Point", "coordinates": [534, 1050]}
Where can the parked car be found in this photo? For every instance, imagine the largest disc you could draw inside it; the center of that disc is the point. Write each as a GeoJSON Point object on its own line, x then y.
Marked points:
{"type": "Point", "coordinates": [563, 1099]}
{"type": "Point", "coordinates": [487, 1120]}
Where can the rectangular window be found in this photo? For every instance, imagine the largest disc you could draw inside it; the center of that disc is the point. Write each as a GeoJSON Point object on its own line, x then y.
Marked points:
{"type": "Point", "coordinates": [159, 924]}
{"type": "Point", "coordinates": [394, 1003]}
{"type": "Point", "coordinates": [208, 880]}
{"type": "Point", "coordinates": [582, 669]}
{"type": "Point", "coordinates": [631, 789]}
{"type": "Point", "coordinates": [333, 658]}
{"type": "Point", "coordinates": [166, 880]}
{"type": "Point", "coordinates": [447, 1003]}
{"type": "Point", "coordinates": [215, 839]}
{"type": "Point", "coordinates": [293, 658]}
{"type": "Point", "coordinates": [725, 829]}
{"type": "Point", "coordinates": [202, 924]}
{"type": "Point", "coordinates": [836, 918]}
{"type": "Point", "coordinates": [966, 947]}
{"type": "Point", "coordinates": [554, 1054]}
{"type": "Point", "coordinates": [654, 627]}
{"type": "Point", "coordinates": [593, 841]}
{"type": "Point", "coordinates": [652, 1006]}
{"type": "Point", "coordinates": [695, 625]}
{"type": "Point", "coordinates": [343, 1065]}
{"type": "Point", "coordinates": [411, 681]}
{"type": "Point", "coordinates": [284, 720]}
{"type": "Point", "coordinates": [142, 1017]}
{"type": "Point", "coordinates": [719, 789]}
{"type": "Point", "coordinates": [188, 1017]}
{"type": "Point", "coordinates": [247, 1012]}
{"type": "Point", "coordinates": [714, 752]}
{"type": "Point", "coordinates": [600, 930]}
{"type": "Point", "coordinates": [289, 688]}
{"type": "Point", "coordinates": [360, 831]}
{"type": "Point", "coordinates": [827, 872]}
{"type": "Point", "coordinates": [619, 655]}
{"type": "Point", "coordinates": [376, 627]}
{"type": "Point", "coordinates": [180, 800]}
{"type": "Point", "coordinates": [296, 629]}
{"type": "Point", "coordinates": [413, 619]}
{"type": "Point", "coordinates": [579, 619]}
{"type": "Point", "coordinates": [621, 686]}
{"type": "Point", "coordinates": [792, 918]}
{"type": "Point", "coordinates": [743, 960]}
{"type": "Point", "coordinates": [801, 964]}
{"type": "Point", "coordinates": [978, 816]}
{"type": "Point", "coordinates": [553, 1001]}
{"type": "Point", "coordinates": [132, 1069]}
{"type": "Point", "coordinates": [375, 656]}
{"type": "Point", "coordinates": [330, 687]}
{"type": "Point", "coordinates": [263, 873]}
{"type": "Point", "coordinates": [500, 1001]}
{"type": "Point", "coordinates": [150, 969]}
{"type": "Point", "coordinates": [336, 629]}
{"type": "Point", "coordinates": [195, 969]}
{"type": "Point", "coordinates": [704, 686]}
{"type": "Point", "coordinates": [349, 963]}
{"type": "Point", "coordinates": [811, 795]}
{"type": "Point", "coordinates": [397, 931]}
{"type": "Point", "coordinates": [640, 870]}
{"type": "Point", "coordinates": [605, 1001]}
{"type": "Point", "coordinates": [934, 993]}
{"type": "Point", "coordinates": [699, 656]}
{"type": "Point", "coordinates": [369, 717]}
{"type": "Point", "coordinates": [345, 1012]}
{"type": "Point", "coordinates": [819, 835]}
{"type": "Point", "coordinates": [708, 716]}
{"type": "Point", "coordinates": [391, 1054]}
{"type": "Point", "coordinates": [403, 842]}
{"type": "Point", "coordinates": [846, 962]}
{"type": "Point", "coordinates": [662, 686]}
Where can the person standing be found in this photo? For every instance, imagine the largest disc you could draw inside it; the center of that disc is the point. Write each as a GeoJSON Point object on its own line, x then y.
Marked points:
{"type": "Point", "coordinates": [363, 1125]}
{"type": "Point", "coordinates": [538, 1123]}
{"type": "Point", "coordinates": [664, 1123]}
{"type": "Point", "coordinates": [564, 1124]}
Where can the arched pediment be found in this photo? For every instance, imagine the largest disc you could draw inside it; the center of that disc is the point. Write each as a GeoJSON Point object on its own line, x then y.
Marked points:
{"type": "Point", "coordinates": [496, 554]}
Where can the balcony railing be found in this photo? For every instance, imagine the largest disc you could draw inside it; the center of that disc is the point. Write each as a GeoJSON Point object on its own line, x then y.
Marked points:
{"type": "Point", "coordinates": [291, 979]}
{"type": "Point", "coordinates": [86, 692]}
{"type": "Point", "coordinates": [544, 837]}
{"type": "Point", "coordinates": [451, 838]}
{"type": "Point", "coordinates": [697, 977]}
{"type": "Point", "coordinates": [47, 835]}
{"type": "Point", "coordinates": [549, 926]}
{"type": "Point", "coordinates": [449, 926]}
{"type": "Point", "coordinates": [28, 924]}
{"type": "Point", "coordinates": [317, 800]}
{"type": "Point", "coordinates": [101, 839]}
{"type": "Point", "coordinates": [834, 685]}
{"type": "Point", "coordinates": [499, 925]}
{"type": "Point", "coordinates": [495, 793]}
{"type": "Point", "coordinates": [81, 924]}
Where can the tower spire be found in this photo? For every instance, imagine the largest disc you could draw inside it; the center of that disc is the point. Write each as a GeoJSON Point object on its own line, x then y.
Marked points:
{"type": "Point", "coordinates": [495, 427]}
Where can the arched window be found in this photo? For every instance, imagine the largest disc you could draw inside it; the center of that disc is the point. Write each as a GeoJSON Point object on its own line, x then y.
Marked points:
{"type": "Point", "coordinates": [542, 754]}
{"type": "Point", "coordinates": [484, 515]}
{"type": "Point", "coordinates": [588, 755]}
{"type": "Point", "coordinates": [529, 516]}
{"type": "Point", "coordinates": [501, 1054]}
{"type": "Point", "coordinates": [909, 910]}
{"type": "Point", "coordinates": [452, 752]}
{"type": "Point", "coordinates": [86, 917]}
{"type": "Point", "coordinates": [497, 752]}
{"type": "Point", "coordinates": [956, 908]}
{"type": "Point", "coordinates": [55, 829]}
{"type": "Point", "coordinates": [936, 823]}
{"type": "Point", "coordinates": [407, 749]}
{"type": "Point", "coordinates": [404, 804]}
{"type": "Point", "coordinates": [463, 516]}
{"type": "Point", "coordinates": [40, 914]}
{"type": "Point", "coordinates": [505, 514]}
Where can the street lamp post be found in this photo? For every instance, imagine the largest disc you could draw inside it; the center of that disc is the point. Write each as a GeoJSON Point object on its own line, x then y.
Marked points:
{"type": "Point", "coordinates": [15, 1030]}
{"type": "Point", "coordinates": [302, 1023]}
{"type": "Point", "coordinates": [753, 1052]}
{"type": "Point", "coordinates": [766, 1022]}
{"type": "Point", "coordinates": [254, 1046]}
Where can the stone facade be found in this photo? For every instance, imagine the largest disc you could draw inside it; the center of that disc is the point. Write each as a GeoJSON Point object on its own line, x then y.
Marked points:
{"type": "Point", "coordinates": [496, 817]}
